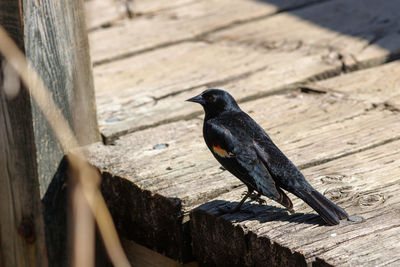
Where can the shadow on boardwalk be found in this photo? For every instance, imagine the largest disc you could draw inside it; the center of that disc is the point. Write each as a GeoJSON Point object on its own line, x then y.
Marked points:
{"type": "Point", "coordinates": [261, 213]}
{"type": "Point", "coordinates": [341, 16]}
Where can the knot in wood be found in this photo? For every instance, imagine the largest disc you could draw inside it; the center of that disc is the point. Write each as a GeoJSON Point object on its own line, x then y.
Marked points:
{"type": "Point", "coordinates": [26, 230]}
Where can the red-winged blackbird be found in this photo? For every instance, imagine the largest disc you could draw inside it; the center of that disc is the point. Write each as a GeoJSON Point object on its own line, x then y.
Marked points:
{"type": "Point", "coordinates": [245, 149]}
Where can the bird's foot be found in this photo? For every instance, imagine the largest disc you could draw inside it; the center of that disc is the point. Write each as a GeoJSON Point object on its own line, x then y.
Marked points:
{"type": "Point", "coordinates": [257, 198]}
{"type": "Point", "coordinates": [291, 211]}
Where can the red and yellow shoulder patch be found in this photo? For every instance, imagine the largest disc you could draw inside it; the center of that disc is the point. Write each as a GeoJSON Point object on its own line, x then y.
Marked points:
{"type": "Point", "coordinates": [221, 152]}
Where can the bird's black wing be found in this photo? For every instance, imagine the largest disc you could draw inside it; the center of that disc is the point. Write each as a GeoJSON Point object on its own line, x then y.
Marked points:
{"type": "Point", "coordinates": [287, 176]}
{"type": "Point", "coordinates": [233, 148]}
{"type": "Point", "coordinates": [282, 170]}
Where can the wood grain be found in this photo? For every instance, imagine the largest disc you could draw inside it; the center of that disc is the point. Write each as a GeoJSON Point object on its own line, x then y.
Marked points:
{"type": "Point", "coordinates": [375, 90]}
{"type": "Point", "coordinates": [53, 37]}
{"type": "Point", "coordinates": [57, 46]}
{"type": "Point", "coordinates": [250, 60]}
{"type": "Point", "coordinates": [141, 172]}
{"type": "Point", "coordinates": [171, 25]}
{"type": "Point", "coordinates": [365, 184]}
{"type": "Point", "coordinates": [22, 241]}
{"type": "Point", "coordinates": [348, 30]}
{"type": "Point", "coordinates": [297, 129]}
{"type": "Point", "coordinates": [293, 66]}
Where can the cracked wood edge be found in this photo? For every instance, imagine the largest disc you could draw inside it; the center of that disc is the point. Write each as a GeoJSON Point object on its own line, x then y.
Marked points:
{"type": "Point", "coordinates": [350, 127]}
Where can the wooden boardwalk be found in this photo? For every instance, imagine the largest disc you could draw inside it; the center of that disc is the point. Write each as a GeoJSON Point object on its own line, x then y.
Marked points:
{"type": "Point", "coordinates": [320, 76]}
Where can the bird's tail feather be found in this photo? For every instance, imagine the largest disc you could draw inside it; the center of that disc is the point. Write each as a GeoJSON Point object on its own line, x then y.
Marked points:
{"type": "Point", "coordinates": [330, 212]}
{"type": "Point", "coordinates": [341, 213]}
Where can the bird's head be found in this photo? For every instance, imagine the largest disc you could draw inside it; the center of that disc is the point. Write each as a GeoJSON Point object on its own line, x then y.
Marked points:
{"type": "Point", "coordinates": [215, 102]}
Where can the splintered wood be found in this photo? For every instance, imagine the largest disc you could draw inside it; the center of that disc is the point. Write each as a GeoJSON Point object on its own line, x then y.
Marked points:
{"type": "Point", "coordinates": [295, 73]}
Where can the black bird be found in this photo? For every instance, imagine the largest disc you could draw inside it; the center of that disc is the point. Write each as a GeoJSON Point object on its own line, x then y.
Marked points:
{"type": "Point", "coordinates": [245, 149]}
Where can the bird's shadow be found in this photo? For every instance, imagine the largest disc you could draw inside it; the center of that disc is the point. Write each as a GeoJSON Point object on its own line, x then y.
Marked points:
{"type": "Point", "coordinates": [262, 213]}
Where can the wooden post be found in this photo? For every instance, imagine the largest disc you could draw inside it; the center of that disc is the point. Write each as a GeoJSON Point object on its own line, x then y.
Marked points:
{"type": "Point", "coordinates": [21, 222]}
{"type": "Point", "coordinates": [57, 45]}
{"type": "Point", "coordinates": [53, 36]}
{"type": "Point", "coordinates": [22, 240]}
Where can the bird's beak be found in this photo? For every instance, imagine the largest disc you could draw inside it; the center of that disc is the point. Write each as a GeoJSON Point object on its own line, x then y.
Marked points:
{"type": "Point", "coordinates": [197, 99]}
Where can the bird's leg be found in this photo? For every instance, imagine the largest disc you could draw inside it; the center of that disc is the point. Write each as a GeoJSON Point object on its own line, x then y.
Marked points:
{"type": "Point", "coordinates": [257, 197]}
{"type": "Point", "coordinates": [247, 195]}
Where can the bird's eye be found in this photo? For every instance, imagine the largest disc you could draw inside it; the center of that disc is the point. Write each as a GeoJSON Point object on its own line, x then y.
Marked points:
{"type": "Point", "coordinates": [209, 98]}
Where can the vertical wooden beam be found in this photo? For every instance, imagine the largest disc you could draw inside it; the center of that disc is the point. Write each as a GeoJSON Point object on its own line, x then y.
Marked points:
{"type": "Point", "coordinates": [53, 36]}
{"type": "Point", "coordinates": [21, 222]}
{"type": "Point", "coordinates": [56, 43]}
{"type": "Point", "coordinates": [22, 240]}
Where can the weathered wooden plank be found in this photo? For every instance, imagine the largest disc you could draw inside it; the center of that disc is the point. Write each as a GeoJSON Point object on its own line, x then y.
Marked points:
{"type": "Point", "coordinates": [364, 31]}
{"type": "Point", "coordinates": [365, 184]}
{"type": "Point", "coordinates": [22, 241]}
{"type": "Point", "coordinates": [167, 169]}
{"type": "Point", "coordinates": [54, 39]}
{"type": "Point", "coordinates": [132, 92]}
{"type": "Point", "coordinates": [134, 117]}
{"type": "Point", "coordinates": [57, 46]}
{"type": "Point", "coordinates": [171, 25]}
{"type": "Point", "coordinates": [138, 88]}
{"type": "Point", "coordinates": [297, 128]}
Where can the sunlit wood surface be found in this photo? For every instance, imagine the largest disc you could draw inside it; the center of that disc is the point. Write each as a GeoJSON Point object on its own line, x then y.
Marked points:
{"type": "Point", "coordinates": [320, 76]}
